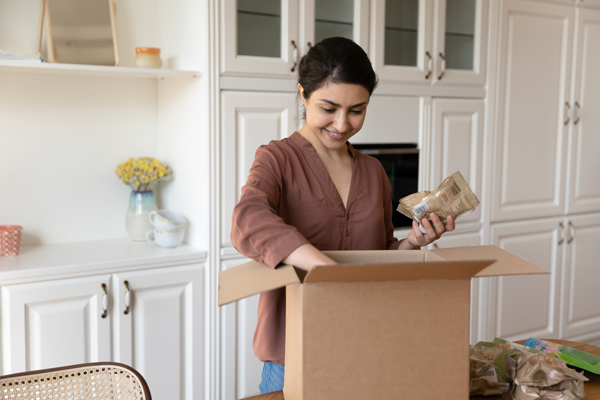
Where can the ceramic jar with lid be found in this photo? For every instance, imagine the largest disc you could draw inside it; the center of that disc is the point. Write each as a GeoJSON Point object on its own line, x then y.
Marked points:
{"type": "Point", "coordinates": [147, 57]}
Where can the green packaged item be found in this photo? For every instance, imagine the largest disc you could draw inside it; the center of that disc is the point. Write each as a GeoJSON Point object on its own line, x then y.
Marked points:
{"type": "Point", "coordinates": [574, 357]}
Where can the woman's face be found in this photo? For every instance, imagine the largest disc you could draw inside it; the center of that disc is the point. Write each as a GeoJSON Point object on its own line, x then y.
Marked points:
{"type": "Point", "coordinates": [335, 113]}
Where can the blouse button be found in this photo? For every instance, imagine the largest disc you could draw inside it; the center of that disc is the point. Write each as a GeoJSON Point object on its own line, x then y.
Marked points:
{"type": "Point", "coordinates": [347, 215]}
{"type": "Point", "coordinates": [347, 233]}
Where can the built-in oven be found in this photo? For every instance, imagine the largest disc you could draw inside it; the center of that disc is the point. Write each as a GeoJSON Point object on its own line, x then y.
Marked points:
{"type": "Point", "coordinates": [401, 164]}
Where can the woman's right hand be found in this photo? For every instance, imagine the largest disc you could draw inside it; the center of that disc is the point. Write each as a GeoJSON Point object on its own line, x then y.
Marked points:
{"type": "Point", "coordinates": [307, 257]}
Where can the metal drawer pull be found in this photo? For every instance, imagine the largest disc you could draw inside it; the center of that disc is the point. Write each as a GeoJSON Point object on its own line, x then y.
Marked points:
{"type": "Point", "coordinates": [429, 65]}
{"type": "Point", "coordinates": [295, 55]}
{"type": "Point", "coordinates": [442, 66]}
{"type": "Point", "coordinates": [568, 110]}
{"type": "Point", "coordinates": [435, 246]}
{"type": "Point", "coordinates": [572, 235]}
{"type": "Point", "coordinates": [562, 233]}
{"type": "Point", "coordinates": [309, 45]}
{"type": "Point", "coordinates": [127, 297]}
{"type": "Point", "coordinates": [104, 301]}
{"type": "Point", "coordinates": [576, 113]}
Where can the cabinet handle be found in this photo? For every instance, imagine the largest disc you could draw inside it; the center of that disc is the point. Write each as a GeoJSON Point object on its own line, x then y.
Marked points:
{"type": "Point", "coordinates": [295, 55]}
{"type": "Point", "coordinates": [309, 45]}
{"type": "Point", "coordinates": [562, 233]}
{"type": "Point", "coordinates": [127, 297]}
{"type": "Point", "coordinates": [576, 113]}
{"type": "Point", "coordinates": [568, 111]}
{"type": "Point", "coordinates": [442, 66]}
{"type": "Point", "coordinates": [429, 63]}
{"type": "Point", "coordinates": [572, 235]}
{"type": "Point", "coordinates": [104, 301]}
{"type": "Point", "coordinates": [435, 246]}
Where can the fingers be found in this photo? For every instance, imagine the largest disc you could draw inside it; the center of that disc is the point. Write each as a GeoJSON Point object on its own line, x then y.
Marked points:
{"type": "Point", "coordinates": [438, 225]}
{"type": "Point", "coordinates": [450, 225]}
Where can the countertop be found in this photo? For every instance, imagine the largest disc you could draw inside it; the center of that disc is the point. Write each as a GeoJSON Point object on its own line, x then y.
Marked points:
{"type": "Point", "coordinates": [35, 263]}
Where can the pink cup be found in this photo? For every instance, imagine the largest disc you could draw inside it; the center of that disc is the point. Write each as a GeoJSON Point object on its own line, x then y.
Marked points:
{"type": "Point", "coordinates": [10, 240]}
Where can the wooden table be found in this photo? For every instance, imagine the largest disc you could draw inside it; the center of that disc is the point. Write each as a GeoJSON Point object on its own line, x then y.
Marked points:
{"type": "Point", "coordinates": [592, 388]}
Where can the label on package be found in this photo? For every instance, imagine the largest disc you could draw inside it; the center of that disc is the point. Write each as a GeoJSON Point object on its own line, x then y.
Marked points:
{"type": "Point", "coordinates": [487, 372]}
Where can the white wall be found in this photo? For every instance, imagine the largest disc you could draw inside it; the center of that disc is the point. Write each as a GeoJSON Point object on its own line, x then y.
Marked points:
{"type": "Point", "coordinates": [61, 138]}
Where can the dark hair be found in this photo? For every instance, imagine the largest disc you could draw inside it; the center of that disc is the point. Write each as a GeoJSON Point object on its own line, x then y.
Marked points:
{"type": "Point", "coordinates": [336, 60]}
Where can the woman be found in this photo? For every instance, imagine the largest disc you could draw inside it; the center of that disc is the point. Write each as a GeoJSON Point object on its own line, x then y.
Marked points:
{"type": "Point", "coordinates": [312, 191]}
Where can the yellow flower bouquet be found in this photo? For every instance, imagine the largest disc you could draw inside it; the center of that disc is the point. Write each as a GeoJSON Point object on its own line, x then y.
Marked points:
{"type": "Point", "coordinates": [142, 174]}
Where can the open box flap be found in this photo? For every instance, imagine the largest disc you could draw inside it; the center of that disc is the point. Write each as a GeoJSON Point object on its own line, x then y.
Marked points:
{"type": "Point", "coordinates": [253, 277]}
{"type": "Point", "coordinates": [506, 263]}
{"type": "Point", "coordinates": [405, 271]}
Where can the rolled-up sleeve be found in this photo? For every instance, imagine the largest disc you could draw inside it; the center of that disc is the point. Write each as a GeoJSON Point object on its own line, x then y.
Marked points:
{"type": "Point", "coordinates": [258, 232]}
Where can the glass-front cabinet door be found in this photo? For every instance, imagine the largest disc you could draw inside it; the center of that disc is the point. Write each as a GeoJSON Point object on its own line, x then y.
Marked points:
{"type": "Point", "coordinates": [260, 37]}
{"type": "Point", "coordinates": [400, 46]}
{"type": "Point", "coordinates": [429, 41]}
{"type": "Point", "coordinates": [459, 41]}
{"type": "Point", "coordinates": [321, 19]}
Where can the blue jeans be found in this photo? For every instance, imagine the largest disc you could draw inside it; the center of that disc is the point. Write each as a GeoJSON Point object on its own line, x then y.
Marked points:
{"type": "Point", "coordinates": [272, 378]}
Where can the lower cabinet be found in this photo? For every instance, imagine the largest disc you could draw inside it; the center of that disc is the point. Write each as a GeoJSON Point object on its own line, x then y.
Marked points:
{"type": "Point", "coordinates": [151, 319]}
{"type": "Point", "coordinates": [528, 306]}
{"type": "Point", "coordinates": [241, 369]}
{"type": "Point", "coordinates": [581, 276]}
{"type": "Point", "coordinates": [564, 304]}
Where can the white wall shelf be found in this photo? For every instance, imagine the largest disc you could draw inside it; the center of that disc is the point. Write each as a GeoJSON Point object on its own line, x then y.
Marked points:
{"type": "Point", "coordinates": [93, 70]}
{"type": "Point", "coordinates": [36, 263]}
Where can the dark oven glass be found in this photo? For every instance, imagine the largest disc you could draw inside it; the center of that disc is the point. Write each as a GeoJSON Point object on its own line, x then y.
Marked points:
{"type": "Point", "coordinates": [401, 164]}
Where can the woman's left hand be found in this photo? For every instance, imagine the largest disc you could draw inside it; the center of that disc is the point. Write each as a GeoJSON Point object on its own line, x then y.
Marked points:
{"type": "Point", "coordinates": [416, 238]}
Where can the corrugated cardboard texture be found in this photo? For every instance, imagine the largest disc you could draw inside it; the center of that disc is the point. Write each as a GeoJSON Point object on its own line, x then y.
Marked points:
{"type": "Point", "coordinates": [252, 278]}
{"type": "Point", "coordinates": [396, 272]}
{"type": "Point", "coordinates": [293, 342]}
{"type": "Point", "coordinates": [386, 340]}
{"type": "Point", "coordinates": [506, 263]}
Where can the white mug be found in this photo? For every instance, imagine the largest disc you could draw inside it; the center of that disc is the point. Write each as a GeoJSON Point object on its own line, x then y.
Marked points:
{"type": "Point", "coordinates": [165, 219]}
{"type": "Point", "coordinates": [165, 237]}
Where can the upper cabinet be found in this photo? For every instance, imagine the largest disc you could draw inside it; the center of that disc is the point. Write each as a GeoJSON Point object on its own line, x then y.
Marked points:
{"type": "Point", "coordinates": [268, 37]}
{"type": "Point", "coordinates": [547, 113]}
{"type": "Point", "coordinates": [430, 42]}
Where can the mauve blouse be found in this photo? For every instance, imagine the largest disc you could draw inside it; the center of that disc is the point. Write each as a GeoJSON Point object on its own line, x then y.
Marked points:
{"type": "Point", "coordinates": [289, 200]}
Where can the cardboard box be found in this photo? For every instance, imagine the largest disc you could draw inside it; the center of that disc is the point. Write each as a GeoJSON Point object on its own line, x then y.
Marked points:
{"type": "Point", "coordinates": [381, 324]}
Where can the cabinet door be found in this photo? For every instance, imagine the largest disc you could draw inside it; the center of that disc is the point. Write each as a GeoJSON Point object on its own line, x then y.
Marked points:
{"type": "Point", "coordinates": [55, 323]}
{"type": "Point", "coordinates": [530, 135]}
{"type": "Point", "coordinates": [581, 313]}
{"type": "Point", "coordinates": [260, 37]}
{"type": "Point", "coordinates": [400, 41]}
{"type": "Point", "coordinates": [459, 45]}
{"type": "Point", "coordinates": [321, 19]}
{"type": "Point", "coordinates": [159, 332]}
{"type": "Point", "coordinates": [583, 194]}
{"type": "Point", "coordinates": [249, 121]}
{"type": "Point", "coordinates": [241, 369]}
{"type": "Point", "coordinates": [528, 306]}
{"type": "Point", "coordinates": [457, 145]}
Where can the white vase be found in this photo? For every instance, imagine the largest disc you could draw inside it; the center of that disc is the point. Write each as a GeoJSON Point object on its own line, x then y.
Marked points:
{"type": "Point", "coordinates": [137, 222]}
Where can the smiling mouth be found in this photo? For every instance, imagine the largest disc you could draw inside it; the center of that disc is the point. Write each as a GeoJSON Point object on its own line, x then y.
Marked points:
{"type": "Point", "coordinates": [334, 135]}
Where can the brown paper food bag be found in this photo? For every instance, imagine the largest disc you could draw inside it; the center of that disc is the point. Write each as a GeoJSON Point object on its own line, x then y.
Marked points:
{"type": "Point", "coordinates": [452, 197]}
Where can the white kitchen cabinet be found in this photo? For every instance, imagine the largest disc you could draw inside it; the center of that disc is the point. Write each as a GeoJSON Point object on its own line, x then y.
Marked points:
{"type": "Point", "coordinates": [583, 193]}
{"type": "Point", "coordinates": [588, 3]}
{"type": "Point", "coordinates": [429, 41]}
{"type": "Point", "coordinates": [457, 145]}
{"type": "Point", "coordinates": [532, 111]}
{"type": "Point", "coordinates": [268, 37]}
{"type": "Point", "coordinates": [320, 19]}
{"type": "Point", "coordinates": [57, 309]}
{"type": "Point", "coordinates": [158, 328]}
{"type": "Point", "coordinates": [528, 306]}
{"type": "Point", "coordinates": [581, 297]}
{"type": "Point", "coordinates": [241, 369]}
{"type": "Point", "coordinates": [55, 323]}
{"type": "Point", "coordinates": [249, 120]}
